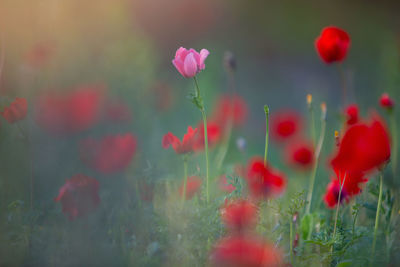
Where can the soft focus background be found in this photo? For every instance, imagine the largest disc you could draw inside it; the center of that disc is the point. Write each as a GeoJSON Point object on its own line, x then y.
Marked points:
{"type": "Point", "coordinates": [125, 48]}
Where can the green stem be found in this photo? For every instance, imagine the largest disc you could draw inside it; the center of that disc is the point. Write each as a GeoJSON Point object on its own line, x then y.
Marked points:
{"type": "Point", "coordinates": [378, 209]}
{"type": "Point", "coordinates": [337, 207]}
{"type": "Point", "coordinates": [203, 114]}
{"type": "Point", "coordinates": [185, 176]}
{"type": "Point", "coordinates": [291, 242]}
{"type": "Point", "coordinates": [312, 124]}
{"type": "Point", "coordinates": [316, 161]}
{"type": "Point", "coordinates": [266, 110]}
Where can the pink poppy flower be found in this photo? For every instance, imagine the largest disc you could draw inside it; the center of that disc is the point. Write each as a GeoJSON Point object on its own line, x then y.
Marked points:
{"type": "Point", "coordinates": [190, 62]}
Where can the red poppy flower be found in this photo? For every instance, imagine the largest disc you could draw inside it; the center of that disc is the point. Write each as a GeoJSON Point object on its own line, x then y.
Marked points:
{"type": "Point", "coordinates": [263, 181]}
{"type": "Point", "coordinates": [72, 112]}
{"type": "Point", "coordinates": [352, 114]}
{"type": "Point", "coordinates": [386, 102]}
{"type": "Point", "coordinates": [193, 185]}
{"type": "Point", "coordinates": [187, 144]}
{"type": "Point", "coordinates": [225, 186]}
{"type": "Point", "coordinates": [363, 148]}
{"type": "Point", "coordinates": [333, 44]}
{"type": "Point", "coordinates": [285, 124]}
{"type": "Point", "coordinates": [230, 108]}
{"type": "Point", "coordinates": [79, 196]}
{"type": "Point", "coordinates": [213, 134]}
{"type": "Point", "coordinates": [300, 154]}
{"type": "Point", "coordinates": [239, 215]}
{"type": "Point", "coordinates": [245, 251]}
{"type": "Point", "coordinates": [16, 111]}
{"type": "Point", "coordinates": [111, 154]}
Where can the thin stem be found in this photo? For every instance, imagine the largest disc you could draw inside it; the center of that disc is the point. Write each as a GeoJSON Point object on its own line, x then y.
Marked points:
{"type": "Point", "coordinates": [343, 81]}
{"type": "Point", "coordinates": [394, 142]}
{"type": "Point", "coordinates": [266, 110]}
{"type": "Point", "coordinates": [291, 242]}
{"type": "Point", "coordinates": [312, 121]}
{"type": "Point", "coordinates": [185, 176]}
{"type": "Point", "coordinates": [316, 160]}
{"type": "Point", "coordinates": [203, 114]}
{"type": "Point", "coordinates": [378, 209]}
{"type": "Point", "coordinates": [338, 205]}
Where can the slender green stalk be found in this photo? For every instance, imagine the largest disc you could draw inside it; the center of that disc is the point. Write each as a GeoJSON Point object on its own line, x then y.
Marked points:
{"type": "Point", "coordinates": [337, 207]}
{"type": "Point", "coordinates": [291, 242]}
{"type": "Point", "coordinates": [185, 176]}
{"type": "Point", "coordinates": [266, 110]}
{"type": "Point", "coordinates": [316, 158]}
{"type": "Point", "coordinates": [312, 119]}
{"type": "Point", "coordinates": [203, 114]}
{"type": "Point", "coordinates": [378, 209]}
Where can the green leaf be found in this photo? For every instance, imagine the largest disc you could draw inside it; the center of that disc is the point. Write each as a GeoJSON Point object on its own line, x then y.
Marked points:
{"type": "Point", "coordinates": [344, 263]}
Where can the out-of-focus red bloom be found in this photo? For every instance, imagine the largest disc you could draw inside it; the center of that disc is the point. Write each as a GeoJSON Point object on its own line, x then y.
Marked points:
{"type": "Point", "coordinates": [72, 112]}
{"type": "Point", "coordinates": [300, 154]}
{"type": "Point", "coordinates": [386, 102]}
{"type": "Point", "coordinates": [230, 107]}
{"type": "Point", "coordinates": [190, 62]}
{"type": "Point", "coordinates": [118, 112]}
{"type": "Point", "coordinates": [40, 54]}
{"type": "Point", "coordinates": [111, 154]}
{"type": "Point", "coordinates": [213, 134]}
{"type": "Point", "coordinates": [263, 181]}
{"type": "Point", "coordinates": [239, 215]}
{"type": "Point", "coordinates": [352, 114]}
{"type": "Point", "coordinates": [285, 124]}
{"type": "Point", "coordinates": [245, 251]}
{"type": "Point", "coordinates": [225, 186]}
{"type": "Point", "coordinates": [187, 144]}
{"type": "Point", "coordinates": [333, 44]}
{"type": "Point", "coordinates": [193, 185]}
{"type": "Point", "coordinates": [79, 196]}
{"type": "Point", "coordinates": [363, 148]}
{"type": "Point", "coordinates": [16, 111]}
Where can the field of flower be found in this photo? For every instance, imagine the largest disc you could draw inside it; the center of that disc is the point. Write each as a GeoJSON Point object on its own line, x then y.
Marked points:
{"type": "Point", "coordinates": [272, 142]}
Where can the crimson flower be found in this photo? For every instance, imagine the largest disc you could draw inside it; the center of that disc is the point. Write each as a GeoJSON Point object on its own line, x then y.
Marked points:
{"type": "Point", "coordinates": [239, 215]}
{"type": "Point", "coordinates": [300, 154]}
{"type": "Point", "coordinates": [285, 124]}
{"type": "Point", "coordinates": [111, 154]}
{"type": "Point", "coordinates": [72, 112]}
{"type": "Point", "coordinates": [333, 44]}
{"type": "Point", "coordinates": [16, 111]}
{"type": "Point", "coordinates": [263, 181]}
{"type": "Point", "coordinates": [352, 114]}
{"type": "Point", "coordinates": [363, 148]}
{"type": "Point", "coordinates": [230, 107]}
{"type": "Point", "coordinates": [187, 144]}
{"type": "Point", "coordinates": [386, 102]}
{"type": "Point", "coordinates": [79, 196]}
{"type": "Point", "coordinates": [213, 134]}
{"type": "Point", "coordinates": [245, 251]}
{"type": "Point", "coordinates": [193, 185]}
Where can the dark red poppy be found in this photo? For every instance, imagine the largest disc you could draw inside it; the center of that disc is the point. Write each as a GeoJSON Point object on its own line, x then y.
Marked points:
{"type": "Point", "coordinates": [224, 185]}
{"type": "Point", "coordinates": [117, 112]}
{"type": "Point", "coordinates": [333, 44]}
{"type": "Point", "coordinates": [386, 102]}
{"type": "Point", "coordinates": [188, 141]}
{"type": "Point", "coordinates": [285, 124]}
{"type": "Point", "coordinates": [16, 111]}
{"type": "Point", "coordinates": [263, 181]}
{"type": "Point", "coordinates": [72, 112]}
{"type": "Point", "coordinates": [245, 251]}
{"type": "Point", "coordinates": [352, 114]}
{"type": "Point", "coordinates": [111, 154]}
{"type": "Point", "coordinates": [193, 185]}
{"type": "Point", "coordinates": [213, 134]}
{"type": "Point", "coordinates": [230, 107]}
{"type": "Point", "coordinates": [239, 215]}
{"type": "Point", "coordinates": [79, 196]}
{"type": "Point", "coordinates": [363, 148]}
{"type": "Point", "coordinates": [300, 154]}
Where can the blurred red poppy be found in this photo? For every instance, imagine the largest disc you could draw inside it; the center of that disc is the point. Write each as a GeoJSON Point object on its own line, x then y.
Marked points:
{"type": "Point", "coordinates": [230, 107]}
{"type": "Point", "coordinates": [363, 148]}
{"type": "Point", "coordinates": [263, 181]}
{"type": "Point", "coordinates": [333, 44]}
{"type": "Point", "coordinates": [300, 154]}
{"type": "Point", "coordinates": [239, 215]}
{"type": "Point", "coordinates": [386, 102]}
{"type": "Point", "coordinates": [245, 251]}
{"type": "Point", "coordinates": [352, 114]}
{"type": "Point", "coordinates": [213, 134]}
{"type": "Point", "coordinates": [193, 185]}
{"type": "Point", "coordinates": [285, 124]}
{"type": "Point", "coordinates": [79, 196]}
{"type": "Point", "coordinates": [72, 112]}
{"type": "Point", "coordinates": [16, 111]}
{"type": "Point", "coordinates": [187, 144]}
{"type": "Point", "coordinates": [111, 154]}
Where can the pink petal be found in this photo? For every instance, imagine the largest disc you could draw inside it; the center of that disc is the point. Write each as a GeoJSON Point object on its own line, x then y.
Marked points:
{"type": "Point", "coordinates": [203, 55]}
{"type": "Point", "coordinates": [190, 66]}
{"type": "Point", "coordinates": [179, 66]}
{"type": "Point", "coordinates": [196, 55]}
